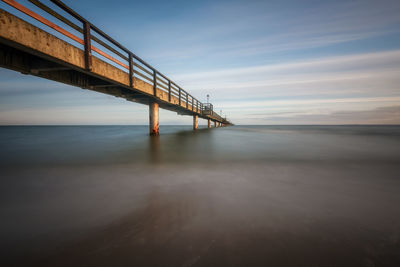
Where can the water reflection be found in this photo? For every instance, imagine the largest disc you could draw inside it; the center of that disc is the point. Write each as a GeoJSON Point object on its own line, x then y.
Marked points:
{"type": "Point", "coordinates": [142, 233]}
{"type": "Point", "coordinates": [182, 146]}
{"type": "Point", "coordinates": [154, 149]}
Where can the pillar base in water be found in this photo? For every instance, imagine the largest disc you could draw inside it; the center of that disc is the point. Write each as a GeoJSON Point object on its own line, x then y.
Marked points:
{"type": "Point", "coordinates": [195, 122]}
{"type": "Point", "coordinates": [154, 119]}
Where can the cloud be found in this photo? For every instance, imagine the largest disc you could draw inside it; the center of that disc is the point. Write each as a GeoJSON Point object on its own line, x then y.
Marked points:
{"type": "Point", "coordinates": [381, 115]}
{"type": "Point", "coordinates": [254, 28]}
{"type": "Point", "coordinates": [324, 85]}
{"type": "Point", "coordinates": [308, 102]}
{"type": "Point", "coordinates": [368, 75]}
{"type": "Point", "coordinates": [341, 62]}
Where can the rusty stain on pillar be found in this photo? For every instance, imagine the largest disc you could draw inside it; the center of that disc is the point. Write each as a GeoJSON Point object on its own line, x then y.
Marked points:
{"type": "Point", "coordinates": [154, 119]}
{"type": "Point", "coordinates": [209, 123]}
{"type": "Point", "coordinates": [195, 122]}
{"type": "Point", "coordinates": [215, 124]}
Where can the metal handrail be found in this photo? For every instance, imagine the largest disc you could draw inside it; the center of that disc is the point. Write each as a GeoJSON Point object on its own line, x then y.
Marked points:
{"type": "Point", "coordinates": [110, 39]}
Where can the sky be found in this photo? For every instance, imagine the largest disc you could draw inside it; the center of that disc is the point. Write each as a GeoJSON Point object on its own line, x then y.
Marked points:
{"type": "Point", "coordinates": [261, 62]}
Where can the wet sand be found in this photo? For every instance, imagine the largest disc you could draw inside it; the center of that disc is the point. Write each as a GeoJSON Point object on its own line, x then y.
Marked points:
{"type": "Point", "coordinates": [212, 217]}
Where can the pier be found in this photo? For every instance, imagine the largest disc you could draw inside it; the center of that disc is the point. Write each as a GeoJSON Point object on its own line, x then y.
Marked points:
{"type": "Point", "coordinates": [92, 60]}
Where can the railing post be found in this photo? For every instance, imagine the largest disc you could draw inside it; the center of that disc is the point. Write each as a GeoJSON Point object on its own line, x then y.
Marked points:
{"type": "Point", "coordinates": [180, 93]}
{"type": "Point", "coordinates": [130, 70]}
{"type": "Point", "coordinates": [155, 83]}
{"type": "Point", "coordinates": [169, 91]}
{"type": "Point", "coordinates": [88, 46]}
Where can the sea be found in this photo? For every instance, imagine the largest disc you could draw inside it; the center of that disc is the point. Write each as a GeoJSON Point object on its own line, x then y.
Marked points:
{"type": "Point", "coordinates": [229, 196]}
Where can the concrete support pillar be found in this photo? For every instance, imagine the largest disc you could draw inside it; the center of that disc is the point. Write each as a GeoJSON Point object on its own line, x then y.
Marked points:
{"type": "Point", "coordinates": [195, 122]}
{"type": "Point", "coordinates": [215, 124]}
{"type": "Point", "coordinates": [209, 123]}
{"type": "Point", "coordinates": [219, 124]}
{"type": "Point", "coordinates": [154, 119]}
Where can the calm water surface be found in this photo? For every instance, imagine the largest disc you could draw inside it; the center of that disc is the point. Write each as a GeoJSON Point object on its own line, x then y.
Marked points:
{"type": "Point", "coordinates": [234, 196]}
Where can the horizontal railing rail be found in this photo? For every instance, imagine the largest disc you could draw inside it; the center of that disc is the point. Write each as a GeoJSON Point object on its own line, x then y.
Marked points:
{"type": "Point", "coordinates": [122, 57]}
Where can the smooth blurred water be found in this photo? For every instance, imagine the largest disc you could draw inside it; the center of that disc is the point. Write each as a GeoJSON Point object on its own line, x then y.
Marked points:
{"type": "Point", "coordinates": [232, 196]}
{"type": "Point", "coordinates": [82, 145]}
